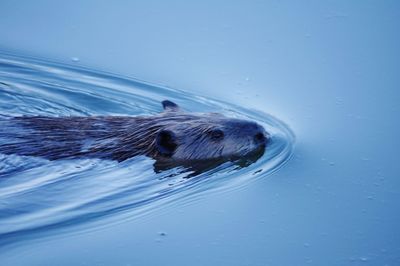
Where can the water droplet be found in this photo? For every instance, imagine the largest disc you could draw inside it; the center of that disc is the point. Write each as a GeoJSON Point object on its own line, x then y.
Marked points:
{"type": "Point", "coordinates": [338, 101]}
{"type": "Point", "coordinates": [162, 233]}
{"type": "Point", "coordinates": [75, 59]}
{"type": "Point", "coordinates": [363, 259]}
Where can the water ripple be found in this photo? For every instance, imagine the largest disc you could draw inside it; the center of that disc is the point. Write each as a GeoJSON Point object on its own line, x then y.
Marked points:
{"type": "Point", "coordinates": [41, 198]}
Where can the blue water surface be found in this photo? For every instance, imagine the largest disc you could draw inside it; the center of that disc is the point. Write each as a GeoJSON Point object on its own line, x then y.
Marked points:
{"type": "Point", "coordinates": [328, 69]}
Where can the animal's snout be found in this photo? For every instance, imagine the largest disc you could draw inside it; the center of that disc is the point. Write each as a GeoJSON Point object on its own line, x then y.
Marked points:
{"type": "Point", "coordinates": [260, 138]}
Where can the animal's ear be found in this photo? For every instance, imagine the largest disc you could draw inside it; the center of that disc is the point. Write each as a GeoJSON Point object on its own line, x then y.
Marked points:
{"type": "Point", "coordinates": [166, 142]}
{"type": "Point", "coordinates": [170, 106]}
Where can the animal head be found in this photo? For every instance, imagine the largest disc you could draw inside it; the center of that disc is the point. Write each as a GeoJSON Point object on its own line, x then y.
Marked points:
{"type": "Point", "coordinates": [209, 136]}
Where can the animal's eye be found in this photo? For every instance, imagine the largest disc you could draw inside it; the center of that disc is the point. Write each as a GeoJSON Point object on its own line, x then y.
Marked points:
{"type": "Point", "coordinates": [217, 134]}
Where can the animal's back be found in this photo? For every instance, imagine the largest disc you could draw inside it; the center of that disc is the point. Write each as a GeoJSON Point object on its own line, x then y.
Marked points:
{"type": "Point", "coordinates": [57, 138]}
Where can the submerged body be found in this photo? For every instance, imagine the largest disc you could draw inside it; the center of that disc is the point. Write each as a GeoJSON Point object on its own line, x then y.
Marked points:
{"type": "Point", "coordinates": [173, 136]}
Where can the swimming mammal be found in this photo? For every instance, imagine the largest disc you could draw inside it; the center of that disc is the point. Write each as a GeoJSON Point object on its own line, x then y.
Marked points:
{"type": "Point", "coordinates": [172, 137]}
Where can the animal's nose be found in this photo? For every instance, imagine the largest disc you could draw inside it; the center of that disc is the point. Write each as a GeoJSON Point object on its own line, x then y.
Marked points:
{"type": "Point", "coordinates": [260, 138]}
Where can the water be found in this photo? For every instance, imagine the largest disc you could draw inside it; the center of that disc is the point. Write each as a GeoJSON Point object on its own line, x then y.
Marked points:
{"type": "Point", "coordinates": [328, 69]}
{"type": "Point", "coordinates": [41, 198]}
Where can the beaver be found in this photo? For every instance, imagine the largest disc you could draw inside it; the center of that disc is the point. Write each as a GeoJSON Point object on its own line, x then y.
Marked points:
{"type": "Point", "coordinates": [172, 137]}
